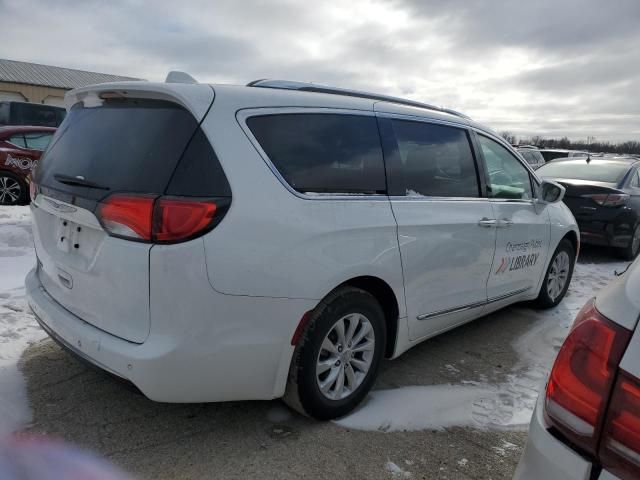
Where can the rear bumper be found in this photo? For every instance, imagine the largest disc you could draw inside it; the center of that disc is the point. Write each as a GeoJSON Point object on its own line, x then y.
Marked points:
{"type": "Point", "coordinates": [547, 457]}
{"type": "Point", "coordinates": [605, 234]}
{"type": "Point", "coordinates": [180, 366]}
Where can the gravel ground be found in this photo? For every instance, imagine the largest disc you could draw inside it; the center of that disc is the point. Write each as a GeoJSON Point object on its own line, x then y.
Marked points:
{"type": "Point", "coordinates": [265, 440]}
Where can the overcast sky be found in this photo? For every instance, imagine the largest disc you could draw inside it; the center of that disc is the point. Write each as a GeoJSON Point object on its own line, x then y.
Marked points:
{"type": "Point", "coordinates": [549, 67]}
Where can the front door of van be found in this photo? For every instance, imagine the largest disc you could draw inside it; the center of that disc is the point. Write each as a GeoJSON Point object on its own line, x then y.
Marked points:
{"type": "Point", "coordinates": [522, 228]}
{"type": "Point", "coordinates": [445, 230]}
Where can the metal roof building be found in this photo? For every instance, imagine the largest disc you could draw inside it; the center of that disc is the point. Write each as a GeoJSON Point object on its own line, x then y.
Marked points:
{"type": "Point", "coordinates": [32, 82]}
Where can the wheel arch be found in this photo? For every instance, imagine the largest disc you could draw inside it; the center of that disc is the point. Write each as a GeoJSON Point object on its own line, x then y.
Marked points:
{"type": "Point", "coordinates": [382, 292]}
{"type": "Point", "coordinates": [575, 241]}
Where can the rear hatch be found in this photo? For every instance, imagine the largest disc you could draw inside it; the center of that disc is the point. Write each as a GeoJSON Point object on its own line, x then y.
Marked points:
{"type": "Point", "coordinates": [131, 140]}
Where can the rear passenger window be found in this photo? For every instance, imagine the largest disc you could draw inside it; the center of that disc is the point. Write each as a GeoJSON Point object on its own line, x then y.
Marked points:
{"type": "Point", "coordinates": [436, 160]}
{"type": "Point", "coordinates": [323, 153]}
{"type": "Point", "coordinates": [18, 140]}
{"type": "Point", "coordinates": [38, 140]}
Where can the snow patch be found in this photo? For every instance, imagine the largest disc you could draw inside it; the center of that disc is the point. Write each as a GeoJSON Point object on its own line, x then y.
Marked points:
{"type": "Point", "coordinates": [18, 328]}
{"type": "Point", "coordinates": [416, 408]}
{"type": "Point", "coordinates": [396, 471]}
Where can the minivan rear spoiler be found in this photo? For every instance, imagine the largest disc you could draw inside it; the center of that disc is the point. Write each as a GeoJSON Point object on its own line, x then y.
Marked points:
{"type": "Point", "coordinates": [195, 97]}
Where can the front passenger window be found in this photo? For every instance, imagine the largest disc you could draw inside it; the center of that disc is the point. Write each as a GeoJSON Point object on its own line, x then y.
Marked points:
{"type": "Point", "coordinates": [508, 178]}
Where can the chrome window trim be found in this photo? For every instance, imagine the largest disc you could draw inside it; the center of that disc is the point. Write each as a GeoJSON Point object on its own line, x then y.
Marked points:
{"type": "Point", "coordinates": [417, 118]}
{"type": "Point", "coordinates": [244, 114]}
{"type": "Point", "coordinates": [470, 306]}
{"type": "Point", "coordinates": [426, 198]}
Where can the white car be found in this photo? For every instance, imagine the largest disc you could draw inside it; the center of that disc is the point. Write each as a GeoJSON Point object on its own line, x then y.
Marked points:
{"type": "Point", "coordinates": [214, 243]}
{"type": "Point", "coordinates": [587, 424]}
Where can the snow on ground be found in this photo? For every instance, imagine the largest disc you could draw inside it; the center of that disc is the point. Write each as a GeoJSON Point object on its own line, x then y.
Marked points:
{"type": "Point", "coordinates": [17, 326]}
{"type": "Point", "coordinates": [475, 402]}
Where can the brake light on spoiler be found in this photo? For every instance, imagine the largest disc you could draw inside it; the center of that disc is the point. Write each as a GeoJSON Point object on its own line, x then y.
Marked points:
{"type": "Point", "coordinates": [149, 218]}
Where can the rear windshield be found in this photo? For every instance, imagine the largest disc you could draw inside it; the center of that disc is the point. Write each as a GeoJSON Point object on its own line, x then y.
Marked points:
{"type": "Point", "coordinates": [610, 172]}
{"type": "Point", "coordinates": [123, 145]}
{"type": "Point", "coordinates": [548, 156]}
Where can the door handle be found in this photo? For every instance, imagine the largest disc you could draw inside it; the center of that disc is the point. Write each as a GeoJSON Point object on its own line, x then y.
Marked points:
{"type": "Point", "coordinates": [504, 223]}
{"type": "Point", "coordinates": [488, 222]}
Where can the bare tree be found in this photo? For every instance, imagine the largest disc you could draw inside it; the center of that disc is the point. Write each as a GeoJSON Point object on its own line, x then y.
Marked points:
{"type": "Point", "coordinates": [508, 136]}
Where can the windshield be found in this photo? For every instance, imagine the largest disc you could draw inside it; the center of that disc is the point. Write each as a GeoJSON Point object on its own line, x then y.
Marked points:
{"type": "Point", "coordinates": [597, 171]}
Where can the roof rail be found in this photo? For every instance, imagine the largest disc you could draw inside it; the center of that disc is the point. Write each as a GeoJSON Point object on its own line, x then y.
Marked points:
{"type": "Point", "coordinates": [312, 87]}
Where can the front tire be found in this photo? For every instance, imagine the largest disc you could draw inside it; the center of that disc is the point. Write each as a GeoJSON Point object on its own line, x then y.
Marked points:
{"type": "Point", "coordinates": [337, 359]}
{"type": "Point", "coordinates": [558, 277]}
{"type": "Point", "coordinates": [13, 191]}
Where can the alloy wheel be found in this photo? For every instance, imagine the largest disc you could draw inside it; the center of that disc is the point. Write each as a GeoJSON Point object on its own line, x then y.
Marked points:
{"type": "Point", "coordinates": [558, 275]}
{"type": "Point", "coordinates": [345, 356]}
{"type": "Point", "coordinates": [10, 191]}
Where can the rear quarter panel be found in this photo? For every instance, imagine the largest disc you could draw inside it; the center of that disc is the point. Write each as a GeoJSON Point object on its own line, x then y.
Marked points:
{"type": "Point", "coordinates": [274, 243]}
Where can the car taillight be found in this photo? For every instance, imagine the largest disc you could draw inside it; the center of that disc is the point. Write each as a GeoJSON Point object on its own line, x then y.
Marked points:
{"type": "Point", "coordinates": [177, 219]}
{"type": "Point", "coordinates": [582, 376]}
{"type": "Point", "coordinates": [620, 445]}
{"type": "Point", "coordinates": [33, 190]}
{"type": "Point", "coordinates": [150, 218]}
{"type": "Point", "coordinates": [127, 216]}
{"type": "Point", "coordinates": [609, 200]}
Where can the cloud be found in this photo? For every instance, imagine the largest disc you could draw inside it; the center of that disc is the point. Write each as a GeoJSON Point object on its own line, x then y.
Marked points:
{"type": "Point", "coordinates": [544, 67]}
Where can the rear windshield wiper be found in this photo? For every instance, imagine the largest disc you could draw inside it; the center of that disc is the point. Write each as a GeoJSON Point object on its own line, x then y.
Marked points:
{"type": "Point", "coordinates": [78, 181]}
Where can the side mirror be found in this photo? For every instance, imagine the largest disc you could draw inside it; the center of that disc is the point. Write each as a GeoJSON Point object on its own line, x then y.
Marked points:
{"type": "Point", "coordinates": [550, 192]}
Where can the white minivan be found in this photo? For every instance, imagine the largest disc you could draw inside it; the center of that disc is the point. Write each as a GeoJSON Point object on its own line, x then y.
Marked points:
{"type": "Point", "coordinates": [215, 242]}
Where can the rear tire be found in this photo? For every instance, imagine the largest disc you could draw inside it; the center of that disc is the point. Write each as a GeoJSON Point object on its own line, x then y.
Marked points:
{"type": "Point", "coordinates": [345, 338]}
{"type": "Point", "coordinates": [558, 277]}
{"type": "Point", "coordinates": [13, 190]}
{"type": "Point", "coordinates": [630, 252]}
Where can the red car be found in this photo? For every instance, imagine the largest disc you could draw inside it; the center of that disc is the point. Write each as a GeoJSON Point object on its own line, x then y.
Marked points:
{"type": "Point", "coordinates": [20, 150]}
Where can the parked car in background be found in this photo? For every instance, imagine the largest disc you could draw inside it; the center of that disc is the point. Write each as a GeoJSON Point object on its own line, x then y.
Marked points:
{"type": "Point", "coordinates": [604, 197]}
{"type": "Point", "coordinates": [20, 150]}
{"type": "Point", "coordinates": [587, 423]}
{"type": "Point", "coordinates": [553, 153]}
{"type": "Point", "coordinates": [281, 240]}
{"type": "Point", "coordinates": [532, 155]}
{"type": "Point", "coordinates": [33, 114]}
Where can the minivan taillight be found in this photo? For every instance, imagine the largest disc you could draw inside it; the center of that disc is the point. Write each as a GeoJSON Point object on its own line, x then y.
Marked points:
{"type": "Point", "coordinates": [149, 218]}
{"type": "Point", "coordinates": [620, 444]}
{"type": "Point", "coordinates": [582, 377]}
{"type": "Point", "coordinates": [33, 190]}
{"type": "Point", "coordinates": [178, 218]}
{"type": "Point", "coordinates": [127, 216]}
